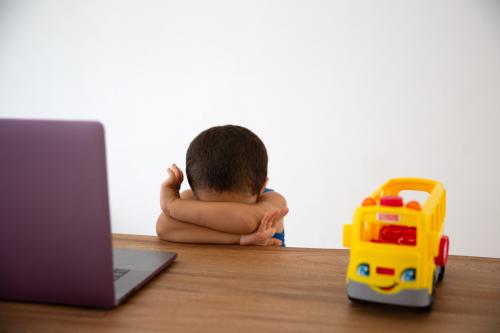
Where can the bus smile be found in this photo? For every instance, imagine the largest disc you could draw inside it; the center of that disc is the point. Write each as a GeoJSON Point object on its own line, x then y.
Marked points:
{"type": "Point", "coordinates": [387, 288]}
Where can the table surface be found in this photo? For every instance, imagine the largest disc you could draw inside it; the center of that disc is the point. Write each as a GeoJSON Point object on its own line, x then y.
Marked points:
{"type": "Point", "coordinates": [218, 288]}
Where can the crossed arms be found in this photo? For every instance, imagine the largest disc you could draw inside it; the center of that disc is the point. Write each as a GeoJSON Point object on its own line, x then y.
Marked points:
{"type": "Point", "coordinates": [187, 220]}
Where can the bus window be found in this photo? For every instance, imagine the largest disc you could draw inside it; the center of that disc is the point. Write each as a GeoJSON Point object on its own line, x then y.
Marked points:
{"type": "Point", "coordinates": [385, 233]}
{"type": "Point", "coordinates": [409, 195]}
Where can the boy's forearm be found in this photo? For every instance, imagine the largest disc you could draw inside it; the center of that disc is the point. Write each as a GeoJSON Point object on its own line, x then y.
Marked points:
{"type": "Point", "coordinates": [231, 217]}
{"type": "Point", "coordinates": [170, 229]}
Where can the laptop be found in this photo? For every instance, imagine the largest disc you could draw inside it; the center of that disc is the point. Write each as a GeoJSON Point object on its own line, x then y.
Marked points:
{"type": "Point", "coordinates": [55, 232]}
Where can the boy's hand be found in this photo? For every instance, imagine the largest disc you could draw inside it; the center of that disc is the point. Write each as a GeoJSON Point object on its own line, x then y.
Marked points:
{"type": "Point", "coordinates": [170, 188]}
{"type": "Point", "coordinates": [175, 177]}
{"type": "Point", "coordinates": [267, 228]}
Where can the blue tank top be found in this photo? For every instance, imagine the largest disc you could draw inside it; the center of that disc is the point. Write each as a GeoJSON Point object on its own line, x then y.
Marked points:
{"type": "Point", "coordinates": [278, 235]}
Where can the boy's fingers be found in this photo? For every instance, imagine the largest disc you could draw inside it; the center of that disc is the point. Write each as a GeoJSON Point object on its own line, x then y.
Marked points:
{"type": "Point", "coordinates": [276, 242]}
{"type": "Point", "coordinates": [283, 212]}
{"type": "Point", "coordinates": [276, 222]}
{"type": "Point", "coordinates": [175, 170]}
{"type": "Point", "coordinates": [269, 242]}
{"type": "Point", "coordinates": [268, 224]}
{"type": "Point", "coordinates": [267, 217]}
{"type": "Point", "coordinates": [178, 173]}
{"type": "Point", "coordinates": [272, 217]}
{"type": "Point", "coordinates": [262, 225]}
{"type": "Point", "coordinates": [280, 214]}
{"type": "Point", "coordinates": [170, 173]}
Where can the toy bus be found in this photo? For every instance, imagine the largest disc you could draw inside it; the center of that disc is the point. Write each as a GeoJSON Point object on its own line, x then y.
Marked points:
{"type": "Point", "coordinates": [397, 250]}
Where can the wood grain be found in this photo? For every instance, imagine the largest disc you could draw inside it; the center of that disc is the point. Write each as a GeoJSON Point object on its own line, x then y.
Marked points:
{"type": "Point", "coordinates": [233, 289]}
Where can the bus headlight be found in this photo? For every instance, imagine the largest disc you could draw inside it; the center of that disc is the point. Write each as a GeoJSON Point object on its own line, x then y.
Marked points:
{"type": "Point", "coordinates": [409, 275]}
{"type": "Point", "coordinates": [363, 270]}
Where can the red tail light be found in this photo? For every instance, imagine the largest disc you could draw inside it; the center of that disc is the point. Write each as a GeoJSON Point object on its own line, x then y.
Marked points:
{"type": "Point", "coordinates": [391, 201]}
{"type": "Point", "coordinates": [385, 270]}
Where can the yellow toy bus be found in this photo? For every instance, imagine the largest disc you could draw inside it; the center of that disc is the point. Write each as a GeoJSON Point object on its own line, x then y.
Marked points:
{"type": "Point", "coordinates": [398, 252]}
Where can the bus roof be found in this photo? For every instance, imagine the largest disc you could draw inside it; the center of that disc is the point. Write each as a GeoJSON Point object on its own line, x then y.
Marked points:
{"type": "Point", "coordinates": [435, 190]}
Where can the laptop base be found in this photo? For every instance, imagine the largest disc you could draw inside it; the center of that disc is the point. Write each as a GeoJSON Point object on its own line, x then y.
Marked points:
{"type": "Point", "coordinates": [140, 267]}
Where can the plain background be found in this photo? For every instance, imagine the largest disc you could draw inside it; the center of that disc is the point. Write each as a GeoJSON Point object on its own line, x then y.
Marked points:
{"type": "Point", "coordinates": [345, 95]}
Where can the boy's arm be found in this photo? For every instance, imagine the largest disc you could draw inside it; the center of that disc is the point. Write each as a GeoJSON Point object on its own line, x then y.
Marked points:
{"type": "Point", "coordinates": [232, 217]}
{"type": "Point", "coordinates": [168, 228]}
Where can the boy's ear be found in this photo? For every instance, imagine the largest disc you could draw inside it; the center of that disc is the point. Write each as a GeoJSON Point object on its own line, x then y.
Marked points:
{"type": "Point", "coordinates": [264, 186]}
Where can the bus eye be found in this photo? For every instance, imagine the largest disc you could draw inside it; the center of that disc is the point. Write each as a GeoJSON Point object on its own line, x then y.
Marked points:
{"type": "Point", "coordinates": [409, 275]}
{"type": "Point", "coordinates": [363, 270]}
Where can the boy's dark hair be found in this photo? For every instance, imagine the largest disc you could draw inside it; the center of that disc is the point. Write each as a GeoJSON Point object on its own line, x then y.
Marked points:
{"type": "Point", "coordinates": [227, 158]}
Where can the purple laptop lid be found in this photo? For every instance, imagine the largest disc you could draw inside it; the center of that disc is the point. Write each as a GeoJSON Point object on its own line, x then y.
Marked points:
{"type": "Point", "coordinates": [55, 237]}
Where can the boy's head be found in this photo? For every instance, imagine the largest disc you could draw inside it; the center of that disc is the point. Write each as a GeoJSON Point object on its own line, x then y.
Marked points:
{"type": "Point", "coordinates": [227, 159]}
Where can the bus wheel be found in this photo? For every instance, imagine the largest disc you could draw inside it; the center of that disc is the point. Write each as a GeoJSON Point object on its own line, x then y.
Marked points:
{"type": "Point", "coordinates": [444, 245]}
{"type": "Point", "coordinates": [441, 274]}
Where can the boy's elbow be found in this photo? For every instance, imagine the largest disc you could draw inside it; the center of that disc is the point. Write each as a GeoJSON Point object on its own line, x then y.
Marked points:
{"type": "Point", "coordinates": [162, 228]}
{"type": "Point", "coordinates": [170, 230]}
{"type": "Point", "coordinates": [280, 201]}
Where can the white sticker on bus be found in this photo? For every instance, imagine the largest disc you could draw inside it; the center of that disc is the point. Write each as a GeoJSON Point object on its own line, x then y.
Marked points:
{"type": "Point", "coordinates": [387, 217]}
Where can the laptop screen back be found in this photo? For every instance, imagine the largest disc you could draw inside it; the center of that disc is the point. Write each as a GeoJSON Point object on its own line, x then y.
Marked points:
{"type": "Point", "coordinates": [55, 237]}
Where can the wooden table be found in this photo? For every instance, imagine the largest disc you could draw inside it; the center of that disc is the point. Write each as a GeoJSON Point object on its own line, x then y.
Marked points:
{"type": "Point", "coordinates": [256, 289]}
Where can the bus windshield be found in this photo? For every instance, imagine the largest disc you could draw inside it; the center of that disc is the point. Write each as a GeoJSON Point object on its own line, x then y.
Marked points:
{"type": "Point", "coordinates": [385, 233]}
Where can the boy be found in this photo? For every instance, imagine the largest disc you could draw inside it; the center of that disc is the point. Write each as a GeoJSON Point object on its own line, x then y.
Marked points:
{"type": "Point", "coordinates": [228, 202]}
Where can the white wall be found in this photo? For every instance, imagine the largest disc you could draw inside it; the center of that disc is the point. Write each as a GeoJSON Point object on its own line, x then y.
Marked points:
{"type": "Point", "coordinates": [344, 94]}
